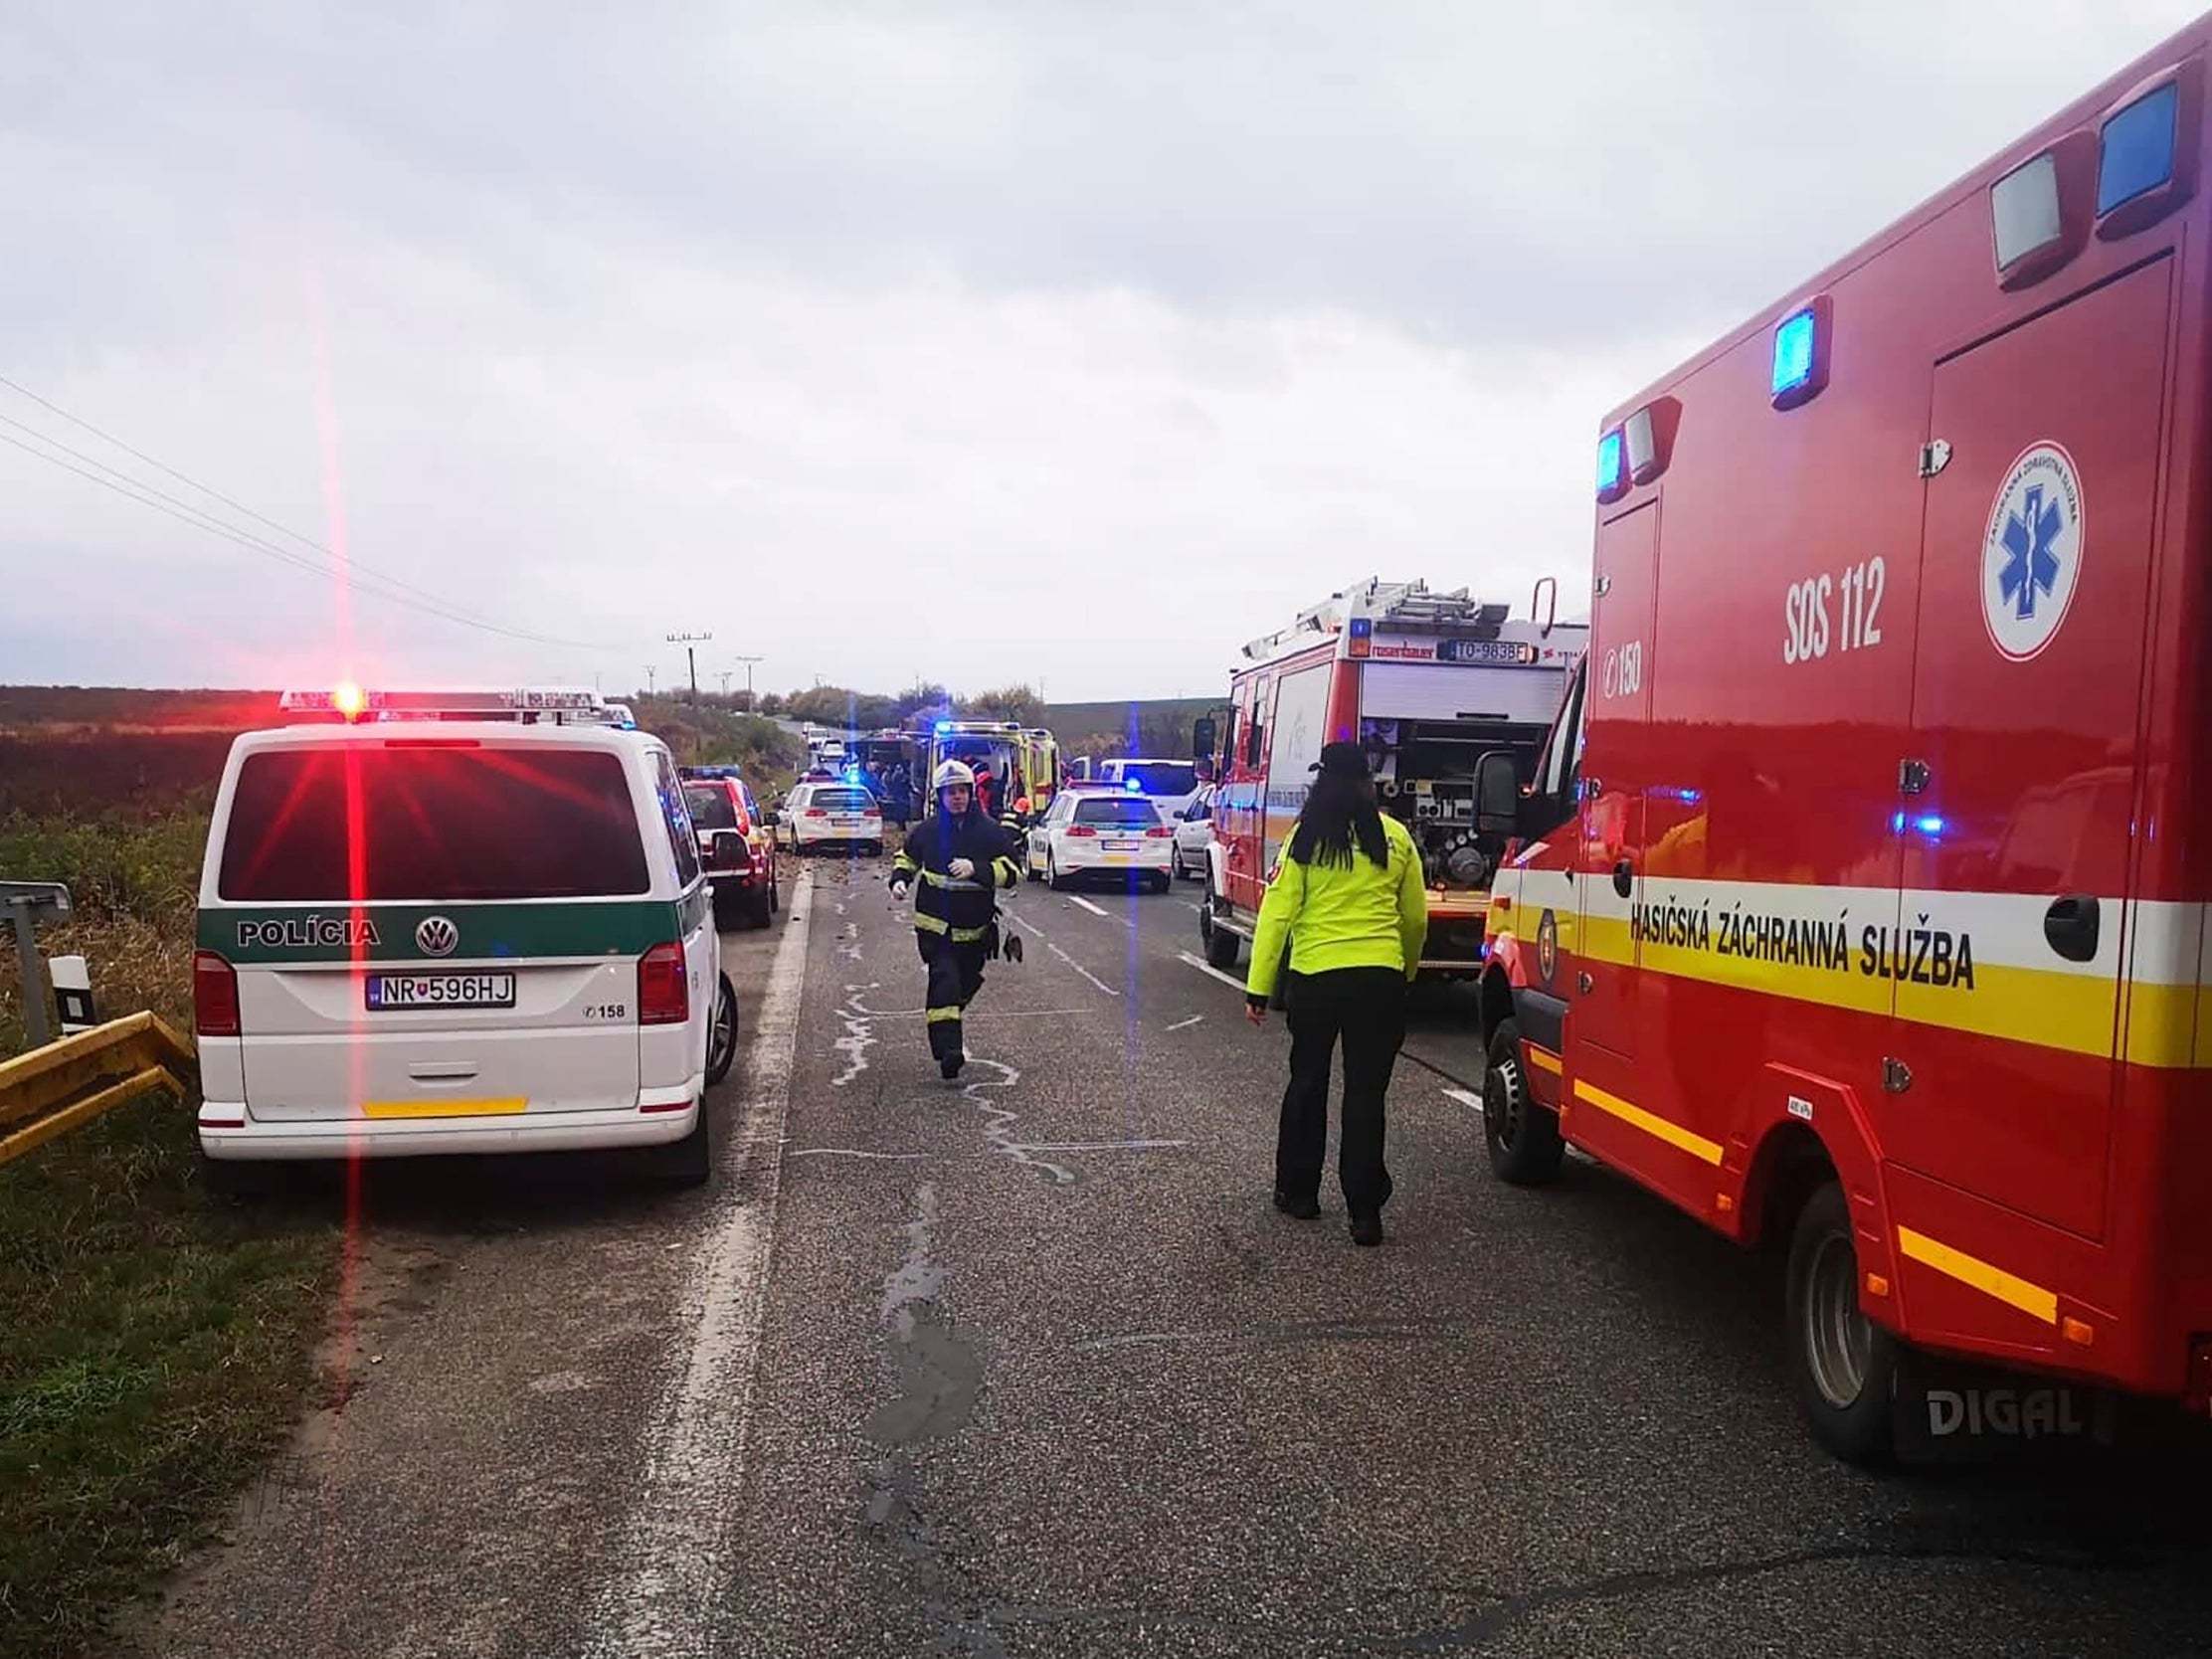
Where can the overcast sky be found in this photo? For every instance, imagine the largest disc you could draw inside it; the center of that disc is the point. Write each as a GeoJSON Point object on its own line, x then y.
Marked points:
{"type": "Point", "coordinates": [1068, 343]}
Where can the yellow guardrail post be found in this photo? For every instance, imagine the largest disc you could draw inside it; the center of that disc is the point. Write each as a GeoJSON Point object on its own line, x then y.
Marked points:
{"type": "Point", "coordinates": [55, 1088]}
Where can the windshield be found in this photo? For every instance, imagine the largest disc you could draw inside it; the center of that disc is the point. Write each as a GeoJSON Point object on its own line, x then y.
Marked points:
{"type": "Point", "coordinates": [1131, 810]}
{"type": "Point", "coordinates": [355, 822]}
{"type": "Point", "coordinates": [710, 807]}
{"type": "Point", "coordinates": [1161, 777]}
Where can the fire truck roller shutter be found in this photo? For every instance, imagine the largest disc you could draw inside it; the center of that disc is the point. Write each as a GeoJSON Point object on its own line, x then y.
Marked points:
{"type": "Point", "coordinates": [1441, 692]}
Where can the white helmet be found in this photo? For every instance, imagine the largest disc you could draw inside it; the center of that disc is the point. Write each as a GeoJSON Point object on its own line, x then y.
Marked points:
{"type": "Point", "coordinates": [950, 773]}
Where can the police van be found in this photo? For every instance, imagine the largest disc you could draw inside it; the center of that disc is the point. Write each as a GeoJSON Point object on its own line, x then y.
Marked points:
{"type": "Point", "coordinates": [455, 922]}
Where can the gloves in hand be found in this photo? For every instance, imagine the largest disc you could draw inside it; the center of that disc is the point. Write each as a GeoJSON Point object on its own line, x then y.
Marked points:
{"type": "Point", "coordinates": [960, 869]}
{"type": "Point", "coordinates": [898, 890]}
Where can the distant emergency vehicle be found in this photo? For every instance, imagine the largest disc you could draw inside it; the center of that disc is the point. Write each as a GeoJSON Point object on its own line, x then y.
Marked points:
{"type": "Point", "coordinates": [1023, 762]}
{"type": "Point", "coordinates": [1859, 899]}
{"type": "Point", "coordinates": [1430, 683]}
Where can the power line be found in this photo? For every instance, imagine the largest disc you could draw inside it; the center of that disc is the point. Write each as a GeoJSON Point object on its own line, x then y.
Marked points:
{"type": "Point", "coordinates": [351, 575]}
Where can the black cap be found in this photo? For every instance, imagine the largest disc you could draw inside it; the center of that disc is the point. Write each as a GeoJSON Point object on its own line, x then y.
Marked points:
{"type": "Point", "coordinates": [1342, 760]}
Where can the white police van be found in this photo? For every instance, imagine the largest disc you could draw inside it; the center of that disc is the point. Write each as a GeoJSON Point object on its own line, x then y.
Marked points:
{"type": "Point", "coordinates": [455, 922]}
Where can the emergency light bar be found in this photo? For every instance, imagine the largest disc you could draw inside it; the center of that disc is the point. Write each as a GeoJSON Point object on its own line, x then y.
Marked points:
{"type": "Point", "coordinates": [352, 702]}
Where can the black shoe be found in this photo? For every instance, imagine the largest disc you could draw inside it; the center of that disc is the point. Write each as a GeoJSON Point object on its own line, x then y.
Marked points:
{"type": "Point", "coordinates": [949, 1067]}
{"type": "Point", "coordinates": [1368, 1228]}
{"type": "Point", "coordinates": [1304, 1209]}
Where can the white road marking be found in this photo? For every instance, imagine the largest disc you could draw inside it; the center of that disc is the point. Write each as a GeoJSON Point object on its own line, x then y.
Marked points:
{"type": "Point", "coordinates": [1094, 1145]}
{"type": "Point", "coordinates": [671, 1553]}
{"type": "Point", "coordinates": [1185, 1024]}
{"type": "Point", "coordinates": [855, 1152]}
{"type": "Point", "coordinates": [1466, 1097]}
{"type": "Point", "coordinates": [1094, 909]}
{"type": "Point", "coordinates": [1206, 966]}
{"type": "Point", "coordinates": [1190, 905]}
{"type": "Point", "coordinates": [1080, 969]}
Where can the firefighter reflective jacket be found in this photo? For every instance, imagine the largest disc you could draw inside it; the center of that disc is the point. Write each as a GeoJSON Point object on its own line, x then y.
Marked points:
{"type": "Point", "coordinates": [944, 904]}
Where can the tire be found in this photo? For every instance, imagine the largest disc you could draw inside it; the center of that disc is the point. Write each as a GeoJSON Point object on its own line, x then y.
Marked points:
{"type": "Point", "coordinates": [721, 1042]}
{"type": "Point", "coordinates": [690, 1160]}
{"type": "Point", "coordinates": [1221, 946]}
{"type": "Point", "coordinates": [1526, 1148]}
{"type": "Point", "coordinates": [1175, 868]}
{"type": "Point", "coordinates": [775, 903]}
{"type": "Point", "coordinates": [760, 908]}
{"type": "Point", "coordinates": [1159, 883]}
{"type": "Point", "coordinates": [1030, 870]}
{"type": "Point", "coordinates": [1054, 878]}
{"type": "Point", "coordinates": [1844, 1365]}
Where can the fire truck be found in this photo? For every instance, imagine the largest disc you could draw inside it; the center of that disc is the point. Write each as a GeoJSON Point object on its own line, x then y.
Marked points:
{"type": "Point", "coordinates": [1857, 902]}
{"type": "Point", "coordinates": [1429, 683]}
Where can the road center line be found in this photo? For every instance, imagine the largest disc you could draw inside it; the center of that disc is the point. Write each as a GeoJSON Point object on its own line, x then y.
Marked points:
{"type": "Point", "coordinates": [1185, 1024]}
{"type": "Point", "coordinates": [1094, 909]}
{"type": "Point", "coordinates": [671, 1548]}
{"type": "Point", "coordinates": [855, 1152]}
{"type": "Point", "coordinates": [1093, 1146]}
{"type": "Point", "coordinates": [1466, 1097]}
{"type": "Point", "coordinates": [1206, 966]}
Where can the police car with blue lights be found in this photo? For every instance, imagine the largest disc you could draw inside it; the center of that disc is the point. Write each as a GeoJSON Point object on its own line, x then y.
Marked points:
{"type": "Point", "coordinates": [455, 922]}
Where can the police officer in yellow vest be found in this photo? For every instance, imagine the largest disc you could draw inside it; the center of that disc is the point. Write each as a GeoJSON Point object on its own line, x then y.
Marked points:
{"type": "Point", "coordinates": [961, 857]}
{"type": "Point", "coordinates": [1349, 899]}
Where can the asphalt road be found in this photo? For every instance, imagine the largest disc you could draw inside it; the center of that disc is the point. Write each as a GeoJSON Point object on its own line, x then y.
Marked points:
{"type": "Point", "coordinates": [1030, 1367]}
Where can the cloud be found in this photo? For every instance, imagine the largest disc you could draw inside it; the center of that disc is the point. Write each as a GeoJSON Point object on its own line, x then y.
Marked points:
{"type": "Point", "coordinates": [980, 341]}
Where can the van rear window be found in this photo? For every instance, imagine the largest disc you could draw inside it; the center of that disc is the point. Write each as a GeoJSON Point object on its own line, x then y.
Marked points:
{"type": "Point", "coordinates": [1130, 810]}
{"type": "Point", "coordinates": [368, 822]}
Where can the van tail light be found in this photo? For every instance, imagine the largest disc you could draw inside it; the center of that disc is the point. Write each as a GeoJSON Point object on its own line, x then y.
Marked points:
{"type": "Point", "coordinates": [662, 997]}
{"type": "Point", "coordinates": [1159, 833]}
{"type": "Point", "coordinates": [1082, 830]}
{"type": "Point", "coordinates": [214, 995]}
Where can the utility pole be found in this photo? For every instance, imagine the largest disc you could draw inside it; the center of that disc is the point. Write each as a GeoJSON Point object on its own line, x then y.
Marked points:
{"type": "Point", "coordinates": [648, 679]}
{"type": "Point", "coordinates": [690, 643]}
{"type": "Point", "coordinates": [748, 661]}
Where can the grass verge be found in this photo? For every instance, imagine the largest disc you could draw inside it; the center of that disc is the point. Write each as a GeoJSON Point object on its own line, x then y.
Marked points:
{"type": "Point", "coordinates": [154, 1346]}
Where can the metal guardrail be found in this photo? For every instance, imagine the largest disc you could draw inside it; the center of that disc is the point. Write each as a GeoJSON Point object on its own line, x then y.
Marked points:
{"type": "Point", "coordinates": [53, 1089]}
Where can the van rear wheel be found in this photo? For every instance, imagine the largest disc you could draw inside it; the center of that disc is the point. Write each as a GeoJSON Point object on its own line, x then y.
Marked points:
{"type": "Point", "coordinates": [1843, 1364]}
{"type": "Point", "coordinates": [721, 1040]}
{"type": "Point", "coordinates": [1523, 1135]}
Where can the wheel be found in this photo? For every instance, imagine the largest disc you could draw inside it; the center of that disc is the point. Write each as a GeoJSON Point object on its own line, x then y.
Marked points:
{"type": "Point", "coordinates": [1176, 871]}
{"type": "Point", "coordinates": [875, 849]}
{"type": "Point", "coordinates": [690, 1160]}
{"type": "Point", "coordinates": [1843, 1364]}
{"type": "Point", "coordinates": [1029, 869]}
{"type": "Point", "coordinates": [722, 1037]}
{"type": "Point", "coordinates": [760, 906]}
{"type": "Point", "coordinates": [1221, 945]}
{"type": "Point", "coordinates": [1159, 883]}
{"type": "Point", "coordinates": [1523, 1136]}
{"type": "Point", "coordinates": [775, 903]}
{"type": "Point", "coordinates": [1053, 876]}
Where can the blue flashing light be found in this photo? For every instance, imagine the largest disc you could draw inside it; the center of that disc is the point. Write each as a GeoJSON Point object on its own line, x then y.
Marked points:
{"type": "Point", "coordinates": [944, 726]}
{"type": "Point", "coordinates": [1135, 786]}
{"type": "Point", "coordinates": [1793, 351]}
{"type": "Point", "coordinates": [1609, 463]}
{"type": "Point", "coordinates": [1931, 823]}
{"type": "Point", "coordinates": [2137, 151]}
{"type": "Point", "coordinates": [1896, 823]}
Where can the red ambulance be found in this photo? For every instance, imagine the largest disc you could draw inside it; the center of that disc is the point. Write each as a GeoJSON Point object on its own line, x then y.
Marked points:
{"type": "Point", "coordinates": [1429, 683]}
{"type": "Point", "coordinates": [1857, 904]}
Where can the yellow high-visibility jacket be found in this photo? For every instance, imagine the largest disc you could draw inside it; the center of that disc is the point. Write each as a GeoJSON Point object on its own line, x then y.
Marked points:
{"type": "Point", "coordinates": [1357, 915]}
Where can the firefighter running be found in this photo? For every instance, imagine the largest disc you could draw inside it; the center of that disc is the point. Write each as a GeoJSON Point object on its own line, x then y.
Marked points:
{"type": "Point", "coordinates": [961, 857]}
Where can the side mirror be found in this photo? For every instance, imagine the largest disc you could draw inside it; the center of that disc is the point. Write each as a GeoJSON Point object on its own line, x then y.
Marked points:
{"type": "Point", "coordinates": [1204, 736]}
{"type": "Point", "coordinates": [1497, 795]}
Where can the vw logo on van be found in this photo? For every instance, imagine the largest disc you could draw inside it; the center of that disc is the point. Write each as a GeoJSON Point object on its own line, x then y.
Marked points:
{"type": "Point", "coordinates": [435, 936]}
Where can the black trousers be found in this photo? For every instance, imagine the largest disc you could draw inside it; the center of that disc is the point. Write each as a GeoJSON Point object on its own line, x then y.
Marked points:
{"type": "Point", "coordinates": [955, 976]}
{"type": "Point", "coordinates": [1364, 1008]}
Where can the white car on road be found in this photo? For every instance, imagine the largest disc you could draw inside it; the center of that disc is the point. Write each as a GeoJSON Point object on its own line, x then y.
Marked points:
{"type": "Point", "coordinates": [821, 815]}
{"type": "Point", "coordinates": [1090, 831]}
{"type": "Point", "coordinates": [1193, 833]}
